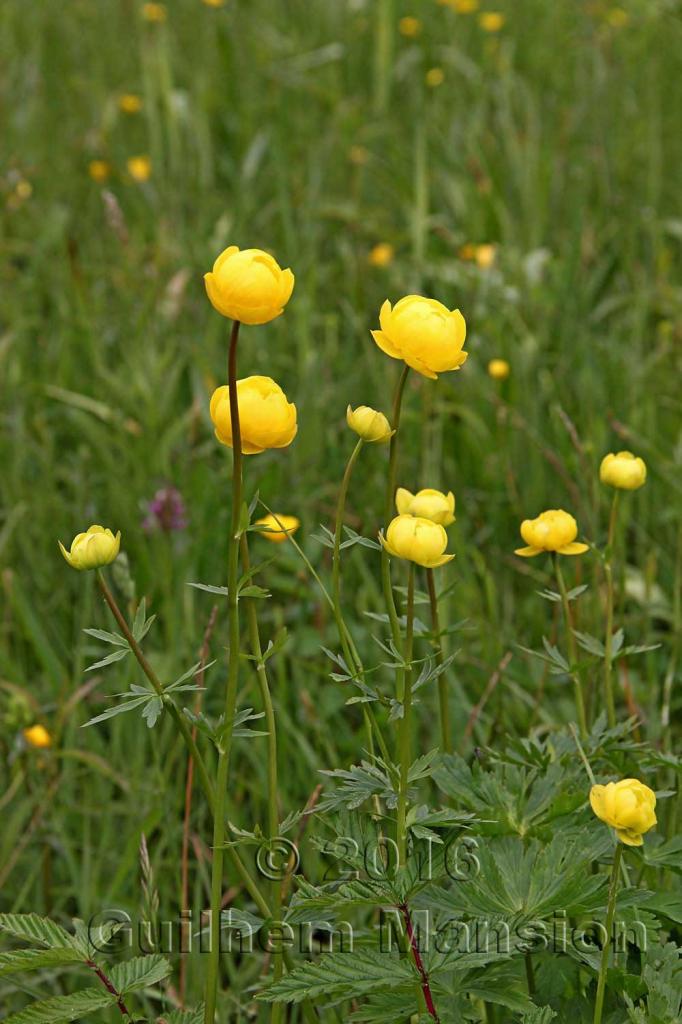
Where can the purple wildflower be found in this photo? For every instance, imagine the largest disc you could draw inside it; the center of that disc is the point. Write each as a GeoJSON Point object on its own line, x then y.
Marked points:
{"type": "Point", "coordinates": [166, 511]}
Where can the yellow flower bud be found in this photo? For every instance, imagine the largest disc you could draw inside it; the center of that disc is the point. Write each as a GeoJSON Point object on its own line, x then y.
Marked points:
{"type": "Point", "coordinates": [278, 527]}
{"type": "Point", "coordinates": [417, 540]}
{"type": "Point", "coordinates": [154, 12]}
{"type": "Point", "coordinates": [409, 27]}
{"type": "Point", "coordinates": [139, 168]}
{"type": "Point", "coordinates": [485, 255]}
{"type": "Point", "coordinates": [369, 424]}
{"type": "Point", "coordinates": [423, 332]}
{"type": "Point", "coordinates": [554, 530]}
{"type": "Point", "coordinates": [381, 255]}
{"type": "Point", "coordinates": [499, 369]}
{"type": "Point", "coordinates": [624, 470]}
{"type": "Point", "coordinates": [92, 549]}
{"type": "Point", "coordinates": [427, 504]}
{"type": "Point", "coordinates": [129, 103]}
{"type": "Point", "coordinates": [628, 806]}
{"type": "Point", "coordinates": [266, 418]}
{"type": "Point", "coordinates": [491, 21]}
{"type": "Point", "coordinates": [434, 77]}
{"type": "Point", "coordinates": [248, 285]}
{"type": "Point", "coordinates": [38, 736]}
{"type": "Point", "coordinates": [99, 170]}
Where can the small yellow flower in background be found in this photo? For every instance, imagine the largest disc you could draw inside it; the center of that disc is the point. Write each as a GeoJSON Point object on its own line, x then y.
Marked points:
{"type": "Point", "coordinates": [427, 504]}
{"type": "Point", "coordinates": [435, 77]}
{"type": "Point", "coordinates": [491, 21]}
{"type": "Point", "coordinates": [409, 27]}
{"type": "Point", "coordinates": [278, 527]}
{"type": "Point", "coordinates": [38, 736]}
{"type": "Point", "coordinates": [99, 170]}
{"type": "Point", "coordinates": [358, 155]}
{"type": "Point", "coordinates": [23, 189]}
{"type": "Point", "coordinates": [369, 424]}
{"type": "Point", "coordinates": [129, 103]}
{"type": "Point", "coordinates": [92, 549]}
{"type": "Point", "coordinates": [628, 806]}
{"type": "Point", "coordinates": [499, 369]}
{"type": "Point", "coordinates": [423, 332]}
{"type": "Point", "coordinates": [381, 255]}
{"type": "Point", "coordinates": [417, 540]}
{"type": "Point", "coordinates": [554, 530]}
{"type": "Point", "coordinates": [266, 418]}
{"type": "Point", "coordinates": [139, 168]}
{"type": "Point", "coordinates": [214, 3]}
{"type": "Point", "coordinates": [154, 12]}
{"type": "Point", "coordinates": [623, 470]}
{"type": "Point", "coordinates": [485, 256]}
{"type": "Point", "coordinates": [248, 285]}
{"type": "Point", "coordinates": [616, 17]}
{"type": "Point", "coordinates": [467, 252]}
{"type": "Point", "coordinates": [461, 6]}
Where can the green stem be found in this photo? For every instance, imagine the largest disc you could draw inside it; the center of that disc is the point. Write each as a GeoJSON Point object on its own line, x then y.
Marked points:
{"type": "Point", "coordinates": [225, 744]}
{"type": "Point", "coordinates": [388, 515]}
{"type": "Point", "coordinates": [405, 726]}
{"type": "Point", "coordinates": [610, 912]}
{"type": "Point", "coordinates": [572, 649]}
{"type": "Point", "coordinates": [273, 813]}
{"type": "Point", "coordinates": [151, 675]}
{"type": "Point", "coordinates": [608, 637]}
{"type": "Point", "coordinates": [445, 727]}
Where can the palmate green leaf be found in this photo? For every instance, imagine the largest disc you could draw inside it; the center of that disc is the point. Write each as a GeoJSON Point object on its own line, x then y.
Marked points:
{"type": "Point", "coordinates": [311, 899]}
{"type": "Point", "coordinates": [152, 711]}
{"type": "Point", "coordinates": [63, 1008]}
{"type": "Point", "coordinates": [342, 975]}
{"type": "Point", "coordinates": [37, 929]}
{"type": "Point", "coordinates": [37, 959]}
{"type": "Point", "coordinates": [590, 644]}
{"type": "Point", "coordinates": [138, 973]}
{"type": "Point", "coordinates": [356, 785]}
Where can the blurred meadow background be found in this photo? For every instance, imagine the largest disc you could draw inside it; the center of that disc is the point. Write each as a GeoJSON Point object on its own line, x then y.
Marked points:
{"type": "Point", "coordinates": [518, 159]}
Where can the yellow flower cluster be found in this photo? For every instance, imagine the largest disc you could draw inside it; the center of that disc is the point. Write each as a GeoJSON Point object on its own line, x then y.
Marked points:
{"type": "Point", "coordinates": [627, 806]}
{"type": "Point", "coordinates": [417, 533]}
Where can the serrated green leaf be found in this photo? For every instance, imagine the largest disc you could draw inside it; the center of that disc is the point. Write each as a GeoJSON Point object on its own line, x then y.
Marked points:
{"type": "Point", "coordinates": [63, 1008]}
{"type": "Point", "coordinates": [342, 974]}
{"type": "Point", "coordinates": [140, 972]}
{"type": "Point", "coordinates": [37, 959]}
{"type": "Point", "coordinates": [34, 928]}
{"type": "Point", "coordinates": [152, 711]}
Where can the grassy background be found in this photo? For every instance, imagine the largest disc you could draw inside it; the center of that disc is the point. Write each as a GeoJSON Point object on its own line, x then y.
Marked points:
{"type": "Point", "coordinates": [307, 128]}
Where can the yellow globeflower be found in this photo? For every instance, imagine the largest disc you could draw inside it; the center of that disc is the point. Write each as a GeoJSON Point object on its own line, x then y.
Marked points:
{"type": "Point", "coordinates": [248, 285]}
{"type": "Point", "coordinates": [278, 527]}
{"type": "Point", "coordinates": [461, 6]}
{"type": "Point", "coordinates": [139, 168]}
{"type": "Point", "coordinates": [485, 256]}
{"type": "Point", "coordinates": [628, 806]}
{"type": "Point", "coordinates": [154, 12]}
{"type": "Point", "coordinates": [369, 424]}
{"type": "Point", "coordinates": [129, 103]}
{"type": "Point", "coordinates": [434, 77]}
{"type": "Point", "coordinates": [38, 736]}
{"type": "Point", "coordinates": [92, 549]}
{"type": "Point", "coordinates": [423, 332]}
{"type": "Point", "coordinates": [99, 170]}
{"type": "Point", "coordinates": [266, 418]}
{"type": "Point", "coordinates": [417, 540]}
{"type": "Point", "coordinates": [214, 3]}
{"type": "Point", "coordinates": [427, 504]}
{"type": "Point", "coordinates": [409, 26]}
{"type": "Point", "coordinates": [491, 21]}
{"type": "Point", "coordinates": [381, 255]}
{"type": "Point", "coordinates": [623, 470]}
{"type": "Point", "coordinates": [499, 369]}
{"type": "Point", "coordinates": [554, 530]}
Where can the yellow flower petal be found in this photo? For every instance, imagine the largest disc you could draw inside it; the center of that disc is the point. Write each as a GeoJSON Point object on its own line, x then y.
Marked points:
{"type": "Point", "coordinates": [574, 548]}
{"type": "Point", "coordinates": [528, 552]}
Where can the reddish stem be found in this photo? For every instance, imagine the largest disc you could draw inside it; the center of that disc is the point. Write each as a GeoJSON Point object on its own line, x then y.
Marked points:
{"type": "Point", "coordinates": [419, 963]}
{"type": "Point", "coordinates": [109, 987]}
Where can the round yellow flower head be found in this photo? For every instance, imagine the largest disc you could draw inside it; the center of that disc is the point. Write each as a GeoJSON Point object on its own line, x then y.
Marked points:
{"type": "Point", "coordinates": [623, 470]}
{"type": "Point", "coordinates": [381, 255]}
{"type": "Point", "coordinates": [266, 418]}
{"type": "Point", "coordinates": [154, 12]}
{"type": "Point", "coordinates": [485, 255]}
{"type": "Point", "coordinates": [409, 27]}
{"type": "Point", "coordinates": [92, 549]}
{"type": "Point", "coordinates": [434, 77]}
{"type": "Point", "coordinates": [369, 424]}
{"type": "Point", "coordinates": [491, 21]}
{"type": "Point", "coordinates": [499, 369]}
{"type": "Point", "coordinates": [99, 170]}
{"type": "Point", "coordinates": [129, 103]}
{"type": "Point", "coordinates": [461, 6]}
{"type": "Point", "coordinates": [139, 168]}
{"type": "Point", "coordinates": [417, 540]}
{"type": "Point", "coordinates": [248, 285]}
{"type": "Point", "coordinates": [427, 504]}
{"type": "Point", "coordinates": [278, 527]}
{"type": "Point", "coordinates": [554, 530]}
{"type": "Point", "coordinates": [423, 332]}
{"type": "Point", "coordinates": [38, 736]}
{"type": "Point", "coordinates": [628, 806]}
